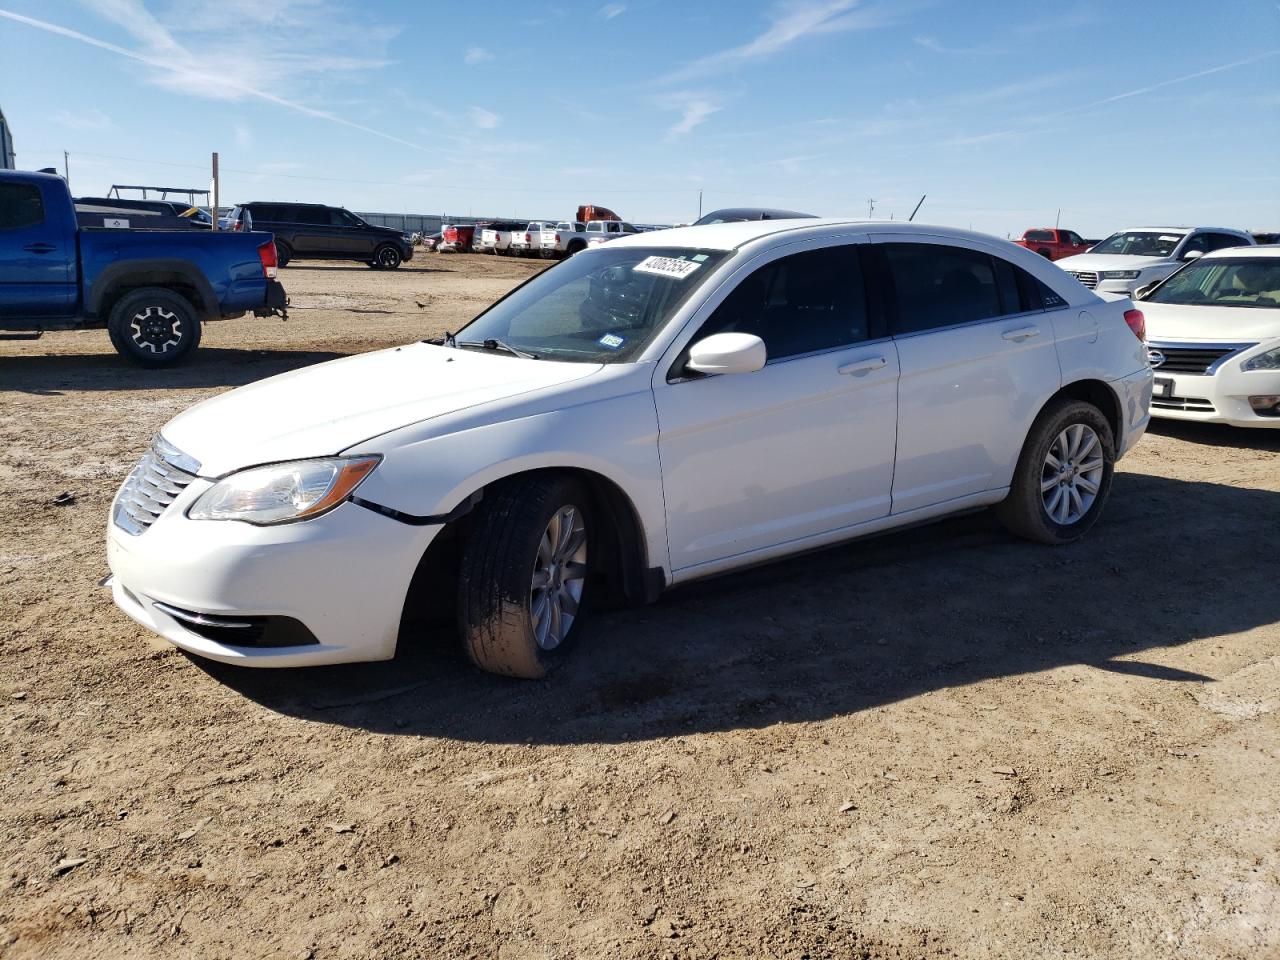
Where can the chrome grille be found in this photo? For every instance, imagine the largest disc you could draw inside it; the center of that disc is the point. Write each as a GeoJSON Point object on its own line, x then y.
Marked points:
{"type": "Point", "coordinates": [1194, 359]}
{"type": "Point", "coordinates": [1087, 277]}
{"type": "Point", "coordinates": [154, 484]}
{"type": "Point", "coordinates": [1186, 404]}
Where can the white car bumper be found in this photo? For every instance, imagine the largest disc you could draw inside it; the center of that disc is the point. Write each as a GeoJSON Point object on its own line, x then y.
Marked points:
{"type": "Point", "coordinates": [343, 577]}
{"type": "Point", "coordinates": [1221, 395]}
{"type": "Point", "coordinates": [1134, 393]}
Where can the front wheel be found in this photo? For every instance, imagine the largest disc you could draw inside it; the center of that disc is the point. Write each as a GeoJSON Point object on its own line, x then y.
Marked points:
{"type": "Point", "coordinates": [386, 257]}
{"type": "Point", "coordinates": [524, 574]}
{"type": "Point", "coordinates": [1063, 476]}
{"type": "Point", "coordinates": [154, 327]}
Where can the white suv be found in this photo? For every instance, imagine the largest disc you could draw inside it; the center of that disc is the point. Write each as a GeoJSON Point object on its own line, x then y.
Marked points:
{"type": "Point", "coordinates": [1135, 258]}
{"type": "Point", "coordinates": [669, 406]}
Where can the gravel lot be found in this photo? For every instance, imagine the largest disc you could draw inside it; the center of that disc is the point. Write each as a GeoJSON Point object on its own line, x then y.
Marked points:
{"type": "Point", "coordinates": [941, 743]}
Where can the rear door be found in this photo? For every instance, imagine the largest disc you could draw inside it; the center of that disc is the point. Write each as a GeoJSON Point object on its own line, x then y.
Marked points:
{"type": "Point", "coordinates": [799, 448]}
{"type": "Point", "coordinates": [978, 362]}
{"type": "Point", "coordinates": [37, 256]}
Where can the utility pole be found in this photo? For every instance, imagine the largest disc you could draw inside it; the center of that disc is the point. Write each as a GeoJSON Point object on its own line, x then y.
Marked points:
{"type": "Point", "coordinates": [1057, 219]}
{"type": "Point", "coordinates": [213, 189]}
{"type": "Point", "coordinates": [699, 203]}
{"type": "Point", "coordinates": [871, 206]}
{"type": "Point", "coordinates": [66, 168]}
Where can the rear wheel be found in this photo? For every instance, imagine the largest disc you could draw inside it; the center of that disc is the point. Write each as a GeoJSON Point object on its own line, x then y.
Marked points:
{"type": "Point", "coordinates": [386, 257]}
{"type": "Point", "coordinates": [284, 253]}
{"type": "Point", "coordinates": [1063, 476]}
{"type": "Point", "coordinates": [154, 327]}
{"type": "Point", "coordinates": [523, 575]}
{"type": "Point", "coordinates": [574, 247]}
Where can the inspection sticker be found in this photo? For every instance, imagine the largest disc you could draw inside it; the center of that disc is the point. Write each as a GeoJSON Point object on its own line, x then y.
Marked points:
{"type": "Point", "coordinates": [611, 340]}
{"type": "Point", "coordinates": [666, 267]}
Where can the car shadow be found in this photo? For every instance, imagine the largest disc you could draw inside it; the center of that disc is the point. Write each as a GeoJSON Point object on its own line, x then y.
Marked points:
{"type": "Point", "coordinates": [55, 373]}
{"type": "Point", "coordinates": [848, 629]}
{"type": "Point", "coordinates": [358, 268]}
{"type": "Point", "coordinates": [1219, 435]}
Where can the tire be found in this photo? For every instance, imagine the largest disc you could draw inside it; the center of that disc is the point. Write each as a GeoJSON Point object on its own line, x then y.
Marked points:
{"type": "Point", "coordinates": [503, 559]}
{"type": "Point", "coordinates": [1046, 254]}
{"type": "Point", "coordinates": [1039, 487]}
{"type": "Point", "coordinates": [154, 327]}
{"type": "Point", "coordinates": [284, 253]}
{"type": "Point", "coordinates": [574, 247]}
{"type": "Point", "coordinates": [386, 257]}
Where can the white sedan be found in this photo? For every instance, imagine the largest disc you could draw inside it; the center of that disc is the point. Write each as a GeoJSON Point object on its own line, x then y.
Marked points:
{"type": "Point", "coordinates": [669, 406]}
{"type": "Point", "coordinates": [1215, 339]}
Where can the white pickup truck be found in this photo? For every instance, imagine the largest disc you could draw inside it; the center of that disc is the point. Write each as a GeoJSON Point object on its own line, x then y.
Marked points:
{"type": "Point", "coordinates": [573, 235]}
{"type": "Point", "coordinates": [497, 237]}
{"type": "Point", "coordinates": [529, 240]}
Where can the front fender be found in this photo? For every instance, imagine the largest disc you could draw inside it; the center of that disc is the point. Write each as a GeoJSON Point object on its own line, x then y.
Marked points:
{"type": "Point", "coordinates": [616, 438]}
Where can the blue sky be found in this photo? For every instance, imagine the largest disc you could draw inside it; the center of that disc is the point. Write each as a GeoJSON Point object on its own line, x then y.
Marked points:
{"type": "Point", "coordinates": [1002, 112]}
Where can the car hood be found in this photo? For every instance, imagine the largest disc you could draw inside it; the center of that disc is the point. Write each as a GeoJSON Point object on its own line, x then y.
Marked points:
{"type": "Point", "coordinates": [1167, 321]}
{"type": "Point", "coordinates": [1108, 261]}
{"type": "Point", "coordinates": [327, 408]}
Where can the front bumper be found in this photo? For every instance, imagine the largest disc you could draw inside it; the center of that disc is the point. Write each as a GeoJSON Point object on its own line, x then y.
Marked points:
{"type": "Point", "coordinates": [1219, 397]}
{"type": "Point", "coordinates": [343, 576]}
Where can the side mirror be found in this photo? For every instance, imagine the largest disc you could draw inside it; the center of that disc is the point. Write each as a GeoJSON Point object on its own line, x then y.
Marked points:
{"type": "Point", "coordinates": [1146, 288]}
{"type": "Point", "coordinates": [727, 353]}
{"type": "Point", "coordinates": [1192, 254]}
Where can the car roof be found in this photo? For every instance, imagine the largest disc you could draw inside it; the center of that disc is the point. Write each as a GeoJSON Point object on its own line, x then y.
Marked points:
{"type": "Point", "coordinates": [757, 213]}
{"type": "Point", "coordinates": [1257, 250]}
{"type": "Point", "coordinates": [731, 236]}
{"type": "Point", "coordinates": [1181, 230]}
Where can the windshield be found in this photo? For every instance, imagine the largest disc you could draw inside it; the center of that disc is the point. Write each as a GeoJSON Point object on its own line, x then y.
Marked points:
{"type": "Point", "coordinates": [1140, 243]}
{"type": "Point", "coordinates": [600, 306]}
{"type": "Point", "coordinates": [1244, 282]}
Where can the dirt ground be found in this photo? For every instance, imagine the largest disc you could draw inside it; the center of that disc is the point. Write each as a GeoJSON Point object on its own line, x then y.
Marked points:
{"type": "Point", "coordinates": [941, 743]}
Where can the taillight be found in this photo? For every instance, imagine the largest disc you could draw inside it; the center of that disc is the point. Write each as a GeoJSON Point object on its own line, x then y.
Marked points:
{"type": "Point", "coordinates": [267, 254]}
{"type": "Point", "coordinates": [528, 240]}
{"type": "Point", "coordinates": [1137, 323]}
{"type": "Point", "coordinates": [557, 238]}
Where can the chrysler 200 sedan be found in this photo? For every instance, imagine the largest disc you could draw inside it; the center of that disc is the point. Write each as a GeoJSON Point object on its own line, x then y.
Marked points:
{"type": "Point", "coordinates": [669, 406]}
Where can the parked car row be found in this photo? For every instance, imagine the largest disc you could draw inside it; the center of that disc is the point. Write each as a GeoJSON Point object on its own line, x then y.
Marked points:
{"type": "Point", "coordinates": [315, 231]}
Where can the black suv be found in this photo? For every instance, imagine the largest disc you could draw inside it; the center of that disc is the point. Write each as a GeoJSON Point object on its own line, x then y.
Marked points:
{"type": "Point", "coordinates": [312, 231]}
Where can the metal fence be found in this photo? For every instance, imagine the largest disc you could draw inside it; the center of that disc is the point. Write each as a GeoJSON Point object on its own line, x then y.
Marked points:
{"type": "Point", "coordinates": [424, 223]}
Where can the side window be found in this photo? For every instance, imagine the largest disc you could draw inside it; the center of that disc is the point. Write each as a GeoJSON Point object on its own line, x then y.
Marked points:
{"type": "Point", "coordinates": [1199, 242]}
{"type": "Point", "coordinates": [798, 304]}
{"type": "Point", "coordinates": [1221, 241]}
{"type": "Point", "coordinates": [1074, 238]}
{"type": "Point", "coordinates": [941, 286]}
{"type": "Point", "coordinates": [312, 216]}
{"type": "Point", "coordinates": [20, 206]}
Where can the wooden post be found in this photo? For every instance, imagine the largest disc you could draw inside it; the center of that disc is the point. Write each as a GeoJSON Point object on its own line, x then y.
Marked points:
{"type": "Point", "coordinates": [214, 211]}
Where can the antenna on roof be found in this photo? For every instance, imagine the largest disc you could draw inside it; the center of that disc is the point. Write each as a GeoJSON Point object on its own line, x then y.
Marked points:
{"type": "Point", "coordinates": [917, 209]}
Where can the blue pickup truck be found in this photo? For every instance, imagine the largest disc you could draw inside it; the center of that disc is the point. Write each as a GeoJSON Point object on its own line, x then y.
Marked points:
{"type": "Point", "coordinates": [151, 289]}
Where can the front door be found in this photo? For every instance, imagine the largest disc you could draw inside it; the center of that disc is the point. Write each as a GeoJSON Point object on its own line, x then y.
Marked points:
{"type": "Point", "coordinates": [799, 448]}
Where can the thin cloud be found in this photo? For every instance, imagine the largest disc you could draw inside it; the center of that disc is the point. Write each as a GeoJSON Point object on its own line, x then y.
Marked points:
{"type": "Point", "coordinates": [611, 10]}
{"type": "Point", "coordinates": [937, 46]}
{"type": "Point", "coordinates": [83, 120]}
{"type": "Point", "coordinates": [792, 23]}
{"type": "Point", "coordinates": [214, 85]}
{"type": "Point", "coordinates": [477, 55]}
{"type": "Point", "coordinates": [484, 119]}
{"type": "Point", "coordinates": [244, 136]}
{"type": "Point", "coordinates": [694, 109]}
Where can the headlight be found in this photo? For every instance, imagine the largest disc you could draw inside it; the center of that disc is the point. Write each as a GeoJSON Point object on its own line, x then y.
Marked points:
{"type": "Point", "coordinates": [1119, 274]}
{"type": "Point", "coordinates": [1263, 361]}
{"type": "Point", "coordinates": [283, 492]}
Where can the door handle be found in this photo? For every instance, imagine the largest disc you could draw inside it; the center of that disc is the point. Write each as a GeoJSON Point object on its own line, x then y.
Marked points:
{"type": "Point", "coordinates": [1022, 333]}
{"type": "Point", "coordinates": [857, 368]}
{"type": "Point", "coordinates": [40, 247]}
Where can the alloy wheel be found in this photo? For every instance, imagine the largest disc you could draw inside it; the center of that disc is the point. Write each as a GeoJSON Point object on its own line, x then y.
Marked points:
{"type": "Point", "coordinates": [559, 574]}
{"type": "Point", "coordinates": [1072, 474]}
{"type": "Point", "coordinates": [156, 329]}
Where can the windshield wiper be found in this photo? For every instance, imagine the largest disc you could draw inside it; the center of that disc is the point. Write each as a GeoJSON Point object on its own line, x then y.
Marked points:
{"type": "Point", "coordinates": [492, 344]}
{"type": "Point", "coordinates": [448, 340]}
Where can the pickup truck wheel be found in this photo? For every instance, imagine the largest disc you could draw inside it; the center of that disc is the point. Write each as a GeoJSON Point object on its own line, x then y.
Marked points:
{"type": "Point", "coordinates": [386, 257]}
{"type": "Point", "coordinates": [284, 253]}
{"type": "Point", "coordinates": [1046, 254]}
{"type": "Point", "coordinates": [574, 247]}
{"type": "Point", "coordinates": [154, 327]}
{"type": "Point", "coordinates": [524, 569]}
{"type": "Point", "coordinates": [1063, 475]}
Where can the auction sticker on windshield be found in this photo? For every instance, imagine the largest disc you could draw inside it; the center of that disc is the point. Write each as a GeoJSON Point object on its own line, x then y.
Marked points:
{"type": "Point", "coordinates": [666, 267]}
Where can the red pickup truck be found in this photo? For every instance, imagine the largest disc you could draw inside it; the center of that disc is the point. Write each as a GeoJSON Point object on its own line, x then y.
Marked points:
{"type": "Point", "coordinates": [1053, 243]}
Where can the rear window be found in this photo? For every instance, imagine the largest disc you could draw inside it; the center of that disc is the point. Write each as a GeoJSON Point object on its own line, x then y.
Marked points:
{"type": "Point", "coordinates": [20, 206]}
{"type": "Point", "coordinates": [1039, 235]}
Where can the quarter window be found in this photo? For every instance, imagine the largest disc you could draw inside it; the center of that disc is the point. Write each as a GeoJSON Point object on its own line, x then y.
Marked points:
{"type": "Point", "coordinates": [798, 304]}
{"type": "Point", "coordinates": [20, 206]}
